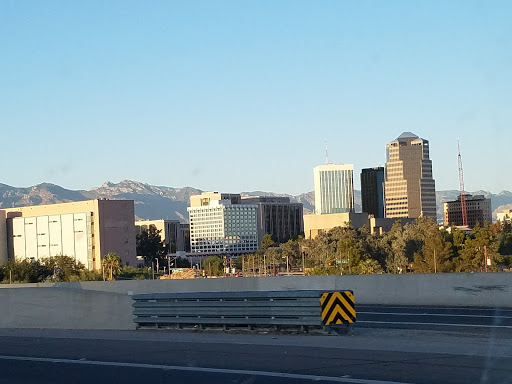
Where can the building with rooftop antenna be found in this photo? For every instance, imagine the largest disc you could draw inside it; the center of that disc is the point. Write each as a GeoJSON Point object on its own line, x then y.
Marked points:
{"type": "Point", "coordinates": [334, 188]}
{"type": "Point", "coordinates": [409, 186]}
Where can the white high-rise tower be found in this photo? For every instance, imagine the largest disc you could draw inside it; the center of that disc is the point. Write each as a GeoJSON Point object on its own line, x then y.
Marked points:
{"type": "Point", "coordinates": [334, 188]}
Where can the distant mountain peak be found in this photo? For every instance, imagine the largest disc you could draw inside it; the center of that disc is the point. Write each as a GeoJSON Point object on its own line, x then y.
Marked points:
{"type": "Point", "coordinates": [161, 202]}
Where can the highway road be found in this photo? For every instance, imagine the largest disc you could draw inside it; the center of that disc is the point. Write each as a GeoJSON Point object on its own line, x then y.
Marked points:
{"type": "Point", "coordinates": [434, 318]}
{"type": "Point", "coordinates": [478, 352]}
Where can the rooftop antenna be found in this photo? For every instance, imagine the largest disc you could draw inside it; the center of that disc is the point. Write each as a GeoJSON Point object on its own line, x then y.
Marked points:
{"type": "Point", "coordinates": [326, 152]}
{"type": "Point", "coordinates": [461, 186]}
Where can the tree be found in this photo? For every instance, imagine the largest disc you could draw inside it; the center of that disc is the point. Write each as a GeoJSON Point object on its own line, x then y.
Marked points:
{"type": "Point", "coordinates": [273, 257]}
{"type": "Point", "coordinates": [25, 271]}
{"type": "Point", "coordinates": [505, 237]}
{"type": "Point", "coordinates": [369, 267]}
{"type": "Point", "coordinates": [434, 256]}
{"type": "Point", "coordinates": [267, 242]}
{"type": "Point", "coordinates": [213, 266]}
{"type": "Point", "coordinates": [63, 268]}
{"type": "Point", "coordinates": [427, 243]}
{"type": "Point", "coordinates": [349, 254]}
{"type": "Point", "coordinates": [131, 273]}
{"type": "Point", "coordinates": [291, 252]}
{"type": "Point", "coordinates": [112, 263]}
{"type": "Point", "coordinates": [472, 257]}
{"type": "Point", "coordinates": [396, 260]}
{"type": "Point", "coordinates": [150, 245]}
{"type": "Point", "coordinates": [458, 239]}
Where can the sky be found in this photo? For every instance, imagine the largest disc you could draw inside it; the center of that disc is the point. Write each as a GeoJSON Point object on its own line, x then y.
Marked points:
{"type": "Point", "coordinates": [240, 95]}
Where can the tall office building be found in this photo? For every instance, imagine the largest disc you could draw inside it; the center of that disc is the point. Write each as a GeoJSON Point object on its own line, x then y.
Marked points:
{"type": "Point", "coordinates": [220, 225]}
{"type": "Point", "coordinates": [409, 187]}
{"type": "Point", "coordinates": [278, 217]}
{"type": "Point", "coordinates": [372, 191]}
{"type": "Point", "coordinates": [223, 223]}
{"type": "Point", "coordinates": [334, 188]}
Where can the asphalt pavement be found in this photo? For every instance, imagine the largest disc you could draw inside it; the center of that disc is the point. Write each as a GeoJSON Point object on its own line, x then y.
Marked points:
{"type": "Point", "coordinates": [369, 355]}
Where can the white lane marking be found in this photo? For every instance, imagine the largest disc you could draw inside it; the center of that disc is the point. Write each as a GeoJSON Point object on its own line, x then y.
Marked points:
{"type": "Point", "coordinates": [201, 369]}
{"type": "Point", "coordinates": [441, 324]}
{"type": "Point", "coordinates": [435, 308]}
{"type": "Point", "coordinates": [433, 314]}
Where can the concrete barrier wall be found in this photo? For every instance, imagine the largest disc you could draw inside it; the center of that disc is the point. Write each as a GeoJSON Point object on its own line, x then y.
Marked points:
{"type": "Point", "coordinates": [107, 305]}
{"type": "Point", "coordinates": [457, 289]}
{"type": "Point", "coordinates": [64, 309]}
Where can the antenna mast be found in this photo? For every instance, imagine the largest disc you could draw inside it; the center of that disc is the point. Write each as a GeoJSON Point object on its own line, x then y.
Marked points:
{"type": "Point", "coordinates": [461, 186]}
{"type": "Point", "coordinates": [326, 152]}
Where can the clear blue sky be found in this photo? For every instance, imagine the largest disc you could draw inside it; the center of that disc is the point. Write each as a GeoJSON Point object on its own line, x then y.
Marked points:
{"type": "Point", "coordinates": [239, 95]}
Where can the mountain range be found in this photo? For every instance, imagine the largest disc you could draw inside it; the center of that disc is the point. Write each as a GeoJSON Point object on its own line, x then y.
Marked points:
{"type": "Point", "coordinates": [160, 202]}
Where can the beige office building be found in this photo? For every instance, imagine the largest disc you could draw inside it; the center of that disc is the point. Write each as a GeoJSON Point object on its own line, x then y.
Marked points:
{"type": "Point", "coordinates": [409, 187]}
{"type": "Point", "coordinates": [505, 215]}
{"type": "Point", "coordinates": [315, 225]}
{"type": "Point", "coordinates": [84, 230]}
{"type": "Point", "coordinates": [207, 198]}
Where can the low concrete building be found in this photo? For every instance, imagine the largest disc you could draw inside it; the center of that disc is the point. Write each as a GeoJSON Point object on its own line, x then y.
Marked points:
{"type": "Point", "coordinates": [84, 230]}
{"type": "Point", "coordinates": [315, 225]}
{"type": "Point", "coordinates": [505, 215]}
{"type": "Point", "coordinates": [478, 210]}
{"type": "Point", "coordinates": [379, 225]}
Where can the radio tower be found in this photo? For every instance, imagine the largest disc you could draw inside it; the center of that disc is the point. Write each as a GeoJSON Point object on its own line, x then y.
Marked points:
{"type": "Point", "coordinates": [462, 193]}
{"type": "Point", "coordinates": [326, 152]}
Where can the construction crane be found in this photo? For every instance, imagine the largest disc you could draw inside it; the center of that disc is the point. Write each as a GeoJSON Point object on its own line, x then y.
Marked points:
{"type": "Point", "coordinates": [461, 186]}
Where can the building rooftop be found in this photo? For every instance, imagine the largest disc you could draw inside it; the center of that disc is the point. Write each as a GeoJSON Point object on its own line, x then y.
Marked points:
{"type": "Point", "coordinates": [407, 135]}
{"type": "Point", "coordinates": [469, 197]}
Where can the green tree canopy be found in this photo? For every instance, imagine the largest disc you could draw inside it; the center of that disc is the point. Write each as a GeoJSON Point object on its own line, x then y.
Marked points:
{"type": "Point", "coordinates": [472, 256]}
{"type": "Point", "coordinates": [112, 264]}
{"type": "Point", "coordinates": [63, 268]}
{"type": "Point", "coordinates": [214, 266]}
{"type": "Point", "coordinates": [267, 242]}
{"type": "Point", "coordinates": [150, 245]}
{"type": "Point", "coordinates": [394, 243]}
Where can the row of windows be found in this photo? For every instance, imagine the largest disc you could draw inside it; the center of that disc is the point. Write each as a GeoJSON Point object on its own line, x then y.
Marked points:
{"type": "Point", "coordinates": [403, 199]}
{"type": "Point", "coordinates": [396, 204]}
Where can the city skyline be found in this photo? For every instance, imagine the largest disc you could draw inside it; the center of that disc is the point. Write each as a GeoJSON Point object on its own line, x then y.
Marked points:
{"type": "Point", "coordinates": [98, 91]}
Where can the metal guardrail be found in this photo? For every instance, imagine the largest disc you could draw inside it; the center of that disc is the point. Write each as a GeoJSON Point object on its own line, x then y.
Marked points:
{"type": "Point", "coordinates": [249, 309]}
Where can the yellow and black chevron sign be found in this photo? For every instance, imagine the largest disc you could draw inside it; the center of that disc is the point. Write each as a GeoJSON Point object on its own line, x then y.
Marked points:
{"type": "Point", "coordinates": [338, 307]}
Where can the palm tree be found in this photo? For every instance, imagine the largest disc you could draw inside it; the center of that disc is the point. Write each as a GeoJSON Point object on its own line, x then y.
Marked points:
{"type": "Point", "coordinates": [112, 263]}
